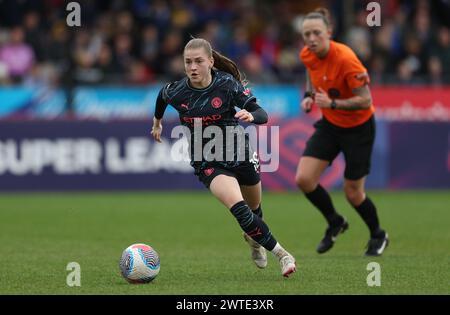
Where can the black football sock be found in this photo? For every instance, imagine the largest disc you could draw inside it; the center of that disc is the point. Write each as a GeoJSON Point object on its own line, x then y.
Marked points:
{"type": "Point", "coordinates": [258, 211]}
{"type": "Point", "coordinates": [322, 201]}
{"type": "Point", "coordinates": [368, 213]}
{"type": "Point", "coordinates": [253, 225]}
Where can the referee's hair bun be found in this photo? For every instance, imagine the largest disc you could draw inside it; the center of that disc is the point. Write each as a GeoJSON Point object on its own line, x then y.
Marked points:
{"type": "Point", "coordinates": [320, 13]}
{"type": "Point", "coordinates": [324, 12]}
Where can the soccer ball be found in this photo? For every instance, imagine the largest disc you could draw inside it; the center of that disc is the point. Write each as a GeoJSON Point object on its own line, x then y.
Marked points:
{"type": "Point", "coordinates": [139, 263]}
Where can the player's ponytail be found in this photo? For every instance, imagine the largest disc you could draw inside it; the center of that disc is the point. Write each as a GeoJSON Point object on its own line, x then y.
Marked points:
{"type": "Point", "coordinates": [225, 64]}
{"type": "Point", "coordinates": [221, 62]}
{"type": "Point", "coordinates": [322, 14]}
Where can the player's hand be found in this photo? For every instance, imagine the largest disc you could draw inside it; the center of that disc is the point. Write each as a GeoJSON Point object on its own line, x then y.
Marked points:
{"type": "Point", "coordinates": [307, 104]}
{"type": "Point", "coordinates": [156, 131]}
{"type": "Point", "coordinates": [322, 99]}
{"type": "Point", "coordinates": [244, 116]}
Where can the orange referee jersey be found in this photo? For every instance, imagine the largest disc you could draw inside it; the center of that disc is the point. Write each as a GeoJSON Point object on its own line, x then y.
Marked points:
{"type": "Point", "coordinates": [338, 71]}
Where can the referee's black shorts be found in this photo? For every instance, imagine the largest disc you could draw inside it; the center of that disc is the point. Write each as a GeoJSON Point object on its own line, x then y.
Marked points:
{"type": "Point", "coordinates": [247, 173]}
{"type": "Point", "coordinates": [356, 143]}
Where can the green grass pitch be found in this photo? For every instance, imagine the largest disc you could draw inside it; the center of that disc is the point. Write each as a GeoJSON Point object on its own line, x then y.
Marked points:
{"type": "Point", "coordinates": [201, 246]}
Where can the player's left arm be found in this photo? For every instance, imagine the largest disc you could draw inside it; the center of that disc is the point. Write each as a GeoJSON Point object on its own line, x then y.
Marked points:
{"type": "Point", "coordinates": [250, 110]}
{"type": "Point", "coordinates": [362, 98]}
{"type": "Point", "coordinates": [252, 113]}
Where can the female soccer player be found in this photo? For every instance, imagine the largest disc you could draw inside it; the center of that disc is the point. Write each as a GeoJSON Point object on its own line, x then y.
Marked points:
{"type": "Point", "coordinates": [337, 82]}
{"type": "Point", "coordinates": [207, 96]}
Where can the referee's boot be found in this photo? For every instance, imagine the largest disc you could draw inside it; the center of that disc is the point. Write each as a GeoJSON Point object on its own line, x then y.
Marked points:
{"type": "Point", "coordinates": [258, 252]}
{"type": "Point", "coordinates": [377, 245]}
{"type": "Point", "coordinates": [331, 235]}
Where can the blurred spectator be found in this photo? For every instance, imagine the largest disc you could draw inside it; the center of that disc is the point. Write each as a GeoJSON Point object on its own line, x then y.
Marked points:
{"type": "Point", "coordinates": [149, 47]}
{"type": "Point", "coordinates": [240, 44]}
{"type": "Point", "coordinates": [17, 56]}
{"type": "Point", "coordinates": [170, 50]}
{"type": "Point", "coordinates": [254, 70]}
{"type": "Point", "coordinates": [288, 68]}
{"type": "Point", "coordinates": [42, 75]}
{"type": "Point", "coordinates": [440, 54]}
{"type": "Point", "coordinates": [405, 73]}
{"type": "Point", "coordinates": [139, 73]}
{"type": "Point", "coordinates": [422, 24]}
{"type": "Point", "coordinates": [124, 23]}
{"type": "Point", "coordinates": [359, 39]}
{"type": "Point", "coordinates": [104, 64]}
{"type": "Point", "coordinates": [86, 50]}
{"type": "Point", "coordinates": [267, 46]}
{"type": "Point", "coordinates": [160, 15]}
{"type": "Point", "coordinates": [216, 34]}
{"type": "Point", "coordinates": [34, 34]}
{"type": "Point", "coordinates": [182, 15]}
{"type": "Point", "coordinates": [122, 53]}
{"type": "Point", "coordinates": [140, 41]}
{"type": "Point", "coordinates": [415, 55]}
{"type": "Point", "coordinates": [435, 71]}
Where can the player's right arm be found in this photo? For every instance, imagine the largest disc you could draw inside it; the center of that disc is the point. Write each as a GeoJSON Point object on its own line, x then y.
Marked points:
{"type": "Point", "coordinates": [161, 106]}
{"type": "Point", "coordinates": [157, 129]}
{"type": "Point", "coordinates": [308, 101]}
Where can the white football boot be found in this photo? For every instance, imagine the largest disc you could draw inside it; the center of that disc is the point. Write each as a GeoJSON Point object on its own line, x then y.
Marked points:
{"type": "Point", "coordinates": [259, 255]}
{"type": "Point", "coordinates": [288, 265]}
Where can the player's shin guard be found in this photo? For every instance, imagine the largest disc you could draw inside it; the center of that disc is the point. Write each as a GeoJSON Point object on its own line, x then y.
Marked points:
{"type": "Point", "coordinates": [253, 225]}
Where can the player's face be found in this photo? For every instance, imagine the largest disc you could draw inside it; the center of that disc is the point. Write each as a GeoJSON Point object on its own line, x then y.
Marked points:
{"type": "Point", "coordinates": [197, 65]}
{"type": "Point", "coordinates": [316, 36]}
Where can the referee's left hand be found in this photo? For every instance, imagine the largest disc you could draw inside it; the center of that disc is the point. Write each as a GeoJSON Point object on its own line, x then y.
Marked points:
{"type": "Point", "coordinates": [322, 99]}
{"type": "Point", "coordinates": [244, 116]}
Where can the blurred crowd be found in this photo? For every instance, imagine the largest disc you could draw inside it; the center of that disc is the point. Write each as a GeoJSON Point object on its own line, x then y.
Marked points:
{"type": "Point", "coordinates": [141, 41]}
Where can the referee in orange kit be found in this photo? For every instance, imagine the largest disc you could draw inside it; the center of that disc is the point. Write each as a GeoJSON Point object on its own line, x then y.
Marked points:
{"type": "Point", "coordinates": [337, 82]}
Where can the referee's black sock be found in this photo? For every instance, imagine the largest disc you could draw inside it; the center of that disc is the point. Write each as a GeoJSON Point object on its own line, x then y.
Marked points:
{"type": "Point", "coordinates": [258, 211]}
{"type": "Point", "coordinates": [368, 213]}
{"type": "Point", "coordinates": [253, 225]}
{"type": "Point", "coordinates": [322, 201]}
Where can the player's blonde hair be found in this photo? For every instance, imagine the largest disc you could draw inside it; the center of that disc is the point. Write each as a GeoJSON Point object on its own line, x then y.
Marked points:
{"type": "Point", "coordinates": [221, 62]}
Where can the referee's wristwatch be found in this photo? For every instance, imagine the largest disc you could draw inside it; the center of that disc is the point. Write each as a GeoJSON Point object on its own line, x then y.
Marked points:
{"type": "Point", "coordinates": [308, 94]}
{"type": "Point", "coordinates": [333, 104]}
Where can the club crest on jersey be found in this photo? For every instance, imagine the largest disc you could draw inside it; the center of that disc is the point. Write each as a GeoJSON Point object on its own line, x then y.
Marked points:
{"type": "Point", "coordinates": [209, 171]}
{"type": "Point", "coordinates": [216, 102]}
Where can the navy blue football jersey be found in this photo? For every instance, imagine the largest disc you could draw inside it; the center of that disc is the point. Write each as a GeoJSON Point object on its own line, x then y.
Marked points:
{"type": "Point", "coordinates": [214, 105]}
